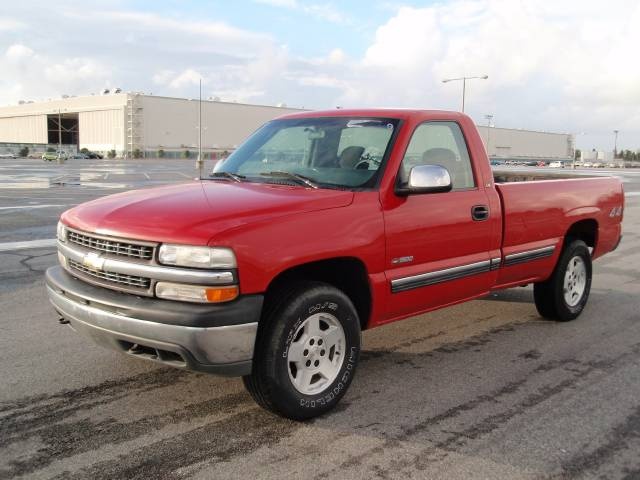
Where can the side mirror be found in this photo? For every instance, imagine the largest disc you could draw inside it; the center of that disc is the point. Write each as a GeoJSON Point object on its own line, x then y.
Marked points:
{"type": "Point", "coordinates": [426, 179]}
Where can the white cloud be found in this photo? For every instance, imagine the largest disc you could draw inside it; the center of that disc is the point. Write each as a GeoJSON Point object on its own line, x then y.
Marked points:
{"type": "Point", "coordinates": [11, 24]}
{"type": "Point", "coordinates": [566, 66]}
{"type": "Point", "coordinates": [323, 11]}
{"type": "Point", "coordinates": [18, 52]}
{"type": "Point", "coordinates": [186, 78]}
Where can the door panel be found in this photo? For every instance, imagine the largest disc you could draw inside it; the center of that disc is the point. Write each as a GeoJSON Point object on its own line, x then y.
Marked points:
{"type": "Point", "coordinates": [438, 244]}
{"type": "Point", "coordinates": [436, 253]}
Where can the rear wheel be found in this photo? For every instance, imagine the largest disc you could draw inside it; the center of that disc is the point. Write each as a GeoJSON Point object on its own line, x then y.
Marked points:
{"type": "Point", "coordinates": [306, 353]}
{"type": "Point", "coordinates": [564, 295]}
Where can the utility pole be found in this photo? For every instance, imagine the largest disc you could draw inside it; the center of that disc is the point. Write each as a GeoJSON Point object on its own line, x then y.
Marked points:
{"type": "Point", "coordinates": [489, 118]}
{"type": "Point", "coordinates": [615, 144]}
{"type": "Point", "coordinates": [464, 84]}
{"type": "Point", "coordinates": [59, 136]}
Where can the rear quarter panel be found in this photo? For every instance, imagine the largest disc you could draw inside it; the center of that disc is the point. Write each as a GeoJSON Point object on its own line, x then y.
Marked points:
{"type": "Point", "coordinates": [538, 214]}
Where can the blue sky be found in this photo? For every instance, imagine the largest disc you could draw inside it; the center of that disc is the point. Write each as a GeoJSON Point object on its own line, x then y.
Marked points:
{"type": "Point", "coordinates": [566, 65]}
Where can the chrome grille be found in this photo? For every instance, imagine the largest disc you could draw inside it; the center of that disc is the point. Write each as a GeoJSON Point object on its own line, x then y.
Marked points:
{"type": "Point", "coordinates": [126, 249]}
{"type": "Point", "coordinates": [112, 277]}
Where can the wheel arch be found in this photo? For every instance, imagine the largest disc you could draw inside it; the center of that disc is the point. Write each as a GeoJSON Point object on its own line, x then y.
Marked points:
{"type": "Point", "coordinates": [348, 274]}
{"type": "Point", "coordinates": [585, 230]}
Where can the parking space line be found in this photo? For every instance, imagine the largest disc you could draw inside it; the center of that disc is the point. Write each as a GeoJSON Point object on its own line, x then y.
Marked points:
{"type": "Point", "coordinates": [45, 242]}
{"type": "Point", "coordinates": [21, 207]}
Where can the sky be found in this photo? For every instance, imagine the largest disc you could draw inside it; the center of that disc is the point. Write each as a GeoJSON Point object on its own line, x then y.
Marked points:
{"type": "Point", "coordinates": [552, 65]}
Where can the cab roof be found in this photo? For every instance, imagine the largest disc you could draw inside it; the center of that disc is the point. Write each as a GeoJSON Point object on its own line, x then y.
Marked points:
{"type": "Point", "coordinates": [399, 113]}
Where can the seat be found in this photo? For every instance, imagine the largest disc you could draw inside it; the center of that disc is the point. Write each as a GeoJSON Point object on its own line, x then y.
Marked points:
{"type": "Point", "coordinates": [447, 159]}
{"type": "Point", "coordinates": [350, 156]}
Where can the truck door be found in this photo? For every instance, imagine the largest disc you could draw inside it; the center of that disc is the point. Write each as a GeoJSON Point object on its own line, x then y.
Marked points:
{"type": "Point", "coordinates": [438, 244]}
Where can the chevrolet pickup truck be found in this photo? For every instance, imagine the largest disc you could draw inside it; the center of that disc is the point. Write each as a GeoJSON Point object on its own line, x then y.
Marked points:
{"type": "Point", "coordinates": [319, 226]}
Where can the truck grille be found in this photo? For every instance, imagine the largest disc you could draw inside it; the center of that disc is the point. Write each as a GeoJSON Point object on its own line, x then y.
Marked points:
{"type": "Point", "coordinates": [126, 249]}
{"type": "Point", "coordinates": [111, 277]}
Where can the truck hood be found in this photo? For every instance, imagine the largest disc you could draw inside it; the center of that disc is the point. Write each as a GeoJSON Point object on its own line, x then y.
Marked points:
{"type": "Point", "coordinates": [194, 213]}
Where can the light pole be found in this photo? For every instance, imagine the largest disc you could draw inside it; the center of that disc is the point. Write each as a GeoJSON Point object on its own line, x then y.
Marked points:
{"type": "Point", "coordinates": [464, 84]}
{"type": "Point", "coordinates": [615, 145]}
{"type": "Point", "coordinates": [489, 117]}
{"type": "Point", "coordinates": [200, 161]}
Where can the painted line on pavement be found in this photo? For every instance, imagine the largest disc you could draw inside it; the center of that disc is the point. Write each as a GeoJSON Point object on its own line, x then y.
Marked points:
{"type": "Point", "coordinates": [45, 242]}
{"type": "Point", "coordinates": [632, 194]}
{"type": "Point", "coordinates": [16, 207]}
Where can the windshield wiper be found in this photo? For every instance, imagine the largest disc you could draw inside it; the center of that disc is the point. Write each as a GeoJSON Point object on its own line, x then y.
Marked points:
{"type": "Point", "coordinates": [232, 176]}
{"type": "Point", "coordinates": [294, 176]}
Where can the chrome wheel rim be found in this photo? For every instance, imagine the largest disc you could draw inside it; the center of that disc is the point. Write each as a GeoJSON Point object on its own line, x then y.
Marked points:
{"type": "Point", "coordinates": [575, 281]}
{"type": "Point", "coordinates": [316, 353]}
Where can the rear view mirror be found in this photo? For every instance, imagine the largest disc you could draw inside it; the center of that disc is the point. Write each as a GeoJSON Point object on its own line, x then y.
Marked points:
{"type": "Point", "coordinates": [426, 179]}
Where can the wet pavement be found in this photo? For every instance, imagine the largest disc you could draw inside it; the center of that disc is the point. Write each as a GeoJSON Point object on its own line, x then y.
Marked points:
{"type": "Point", "coordinates": [485, 389]}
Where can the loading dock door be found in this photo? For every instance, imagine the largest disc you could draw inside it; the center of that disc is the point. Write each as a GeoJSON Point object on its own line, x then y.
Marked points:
{"type": "Point", "coordinates": [63, 128]}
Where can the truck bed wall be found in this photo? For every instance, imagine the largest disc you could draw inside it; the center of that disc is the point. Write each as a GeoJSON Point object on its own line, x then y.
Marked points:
{"type": "Point", "coordinates": [538, 214]}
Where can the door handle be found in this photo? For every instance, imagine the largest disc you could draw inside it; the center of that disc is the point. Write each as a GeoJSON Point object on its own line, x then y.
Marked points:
{"type": "Point", "coordinates": [479, 212]}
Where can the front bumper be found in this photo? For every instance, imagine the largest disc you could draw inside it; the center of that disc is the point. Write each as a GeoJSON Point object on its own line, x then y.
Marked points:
{"type": "Point", "coordinates": [212, 338]}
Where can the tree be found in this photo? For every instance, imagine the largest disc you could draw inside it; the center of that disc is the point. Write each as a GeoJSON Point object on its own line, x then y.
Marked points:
{"type": "Point", "coordinates": [161, 153]}
{"type": "Point", "coordinates": [24, 152]}
{"type": "Point", "coordinates": [84, 150]}
{"type": "Point", "coordinates": [137, 153]}
{"type": "Point", "coordinates": [50, 149]}
{"type": "Point", "coordinates": [186, 154]}
{"type": "Point", "coordinates": [111, 154]}
{"type": "Point", "coordinates": [577, 154]}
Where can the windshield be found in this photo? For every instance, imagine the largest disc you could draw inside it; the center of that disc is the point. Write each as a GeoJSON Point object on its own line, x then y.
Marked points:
{"type": "Point", "coordinates": [338, 152]}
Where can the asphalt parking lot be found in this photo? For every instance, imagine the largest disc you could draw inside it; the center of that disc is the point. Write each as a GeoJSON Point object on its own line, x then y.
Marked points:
{"type": "Point", "coordinates": [485, 389]}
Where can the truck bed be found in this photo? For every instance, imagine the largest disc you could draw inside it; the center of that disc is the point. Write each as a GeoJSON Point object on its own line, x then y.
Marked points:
{"type": "Point", "coordinates": [539, 209]}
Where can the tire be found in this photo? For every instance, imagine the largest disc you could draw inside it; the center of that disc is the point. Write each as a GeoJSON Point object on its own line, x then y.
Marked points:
{"type": "Point", "coordinates": [306, 353]}
{"type": "Point", "coordinates": [573, 271]}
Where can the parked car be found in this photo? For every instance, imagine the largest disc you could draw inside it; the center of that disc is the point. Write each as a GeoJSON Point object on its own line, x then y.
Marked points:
{"type": "Point", "coordinates": [270, 269]}
{"type": "Point", "coordinates": [80, 156]}
{"type": "Point", "coordinates": [54, 156]}
{"type": "Point", "coordinates": [8, 155]}
{"type": "Point", "coordinates": [94, 155]}
{"type": "Point", "coordinates": [556, 165]}
{"type": "Point", "coordinates": [588, 164]}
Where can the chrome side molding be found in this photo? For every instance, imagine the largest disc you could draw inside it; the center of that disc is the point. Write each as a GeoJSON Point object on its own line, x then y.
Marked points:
{"type": "Point", "coordinates": [529, 255]}
{"type": "Point", "coordinates": [439, 276]}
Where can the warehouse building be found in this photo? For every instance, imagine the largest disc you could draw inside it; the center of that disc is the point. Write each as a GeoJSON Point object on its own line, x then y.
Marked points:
{"type": "Point", "coordinates": [131, 124]}
{"type": "Point", "coordinates": [135, 125]}
{"type": "Point", "coordinates": [507, 143]}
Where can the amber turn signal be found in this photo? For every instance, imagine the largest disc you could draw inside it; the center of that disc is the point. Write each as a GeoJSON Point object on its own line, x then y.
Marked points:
{"type": "Point", "coordinates": [222, 294]}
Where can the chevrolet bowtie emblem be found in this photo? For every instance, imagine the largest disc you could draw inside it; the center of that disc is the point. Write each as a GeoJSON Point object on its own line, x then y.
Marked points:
{"type": "Point", "coordinates": [93, 260]}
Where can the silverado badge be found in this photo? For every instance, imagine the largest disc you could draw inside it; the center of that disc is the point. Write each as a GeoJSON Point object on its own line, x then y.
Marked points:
{"type": "Point", "coordinates": [93, 260]}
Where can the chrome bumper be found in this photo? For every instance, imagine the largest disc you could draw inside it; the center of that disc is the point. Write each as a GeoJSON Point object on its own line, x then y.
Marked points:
{"type": "Point", "coordinates": [224, 350]}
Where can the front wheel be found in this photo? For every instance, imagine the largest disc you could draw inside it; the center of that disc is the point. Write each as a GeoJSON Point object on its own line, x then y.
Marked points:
{"type": "Point", "coordinates": [564, 295]}
{"type": "Point", "coordinates": [306, 353]}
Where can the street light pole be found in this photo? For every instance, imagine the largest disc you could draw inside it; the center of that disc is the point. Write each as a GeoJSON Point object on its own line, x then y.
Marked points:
{"type": "Point", "coordinates": [200, 160]}
{"type": "Point", "coordinates": [615, 144]}
{"type": "Point", "coordinates": [59, 132]}
{"type": "Point", "coordinates": [464, 84]}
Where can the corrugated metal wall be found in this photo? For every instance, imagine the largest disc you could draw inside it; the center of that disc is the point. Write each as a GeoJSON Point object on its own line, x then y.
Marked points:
{"type": "Point", "coordinates": [102, 130]}
{"type": "Point", "coordinates": [172, 122]}
{"type": "Point", "coordinates": [28, 129]}
{"type": "Point", "coordinates": [505, 142]}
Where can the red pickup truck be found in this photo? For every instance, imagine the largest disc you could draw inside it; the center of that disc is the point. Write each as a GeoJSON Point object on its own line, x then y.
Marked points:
{"type": "Point", "coordinates": [321, 225]}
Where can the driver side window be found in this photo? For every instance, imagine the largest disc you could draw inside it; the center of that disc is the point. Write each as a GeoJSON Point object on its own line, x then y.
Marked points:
{"type": "Point", "coordinates": [440, 143]}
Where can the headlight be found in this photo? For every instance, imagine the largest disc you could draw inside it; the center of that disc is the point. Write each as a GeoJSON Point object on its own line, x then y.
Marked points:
{"type": "Point", "coordinates": [198, 257]}
{"type": "Point", "coordinates": [196, 293]}
{"type": "Point", "coordinates": [61, 232]}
